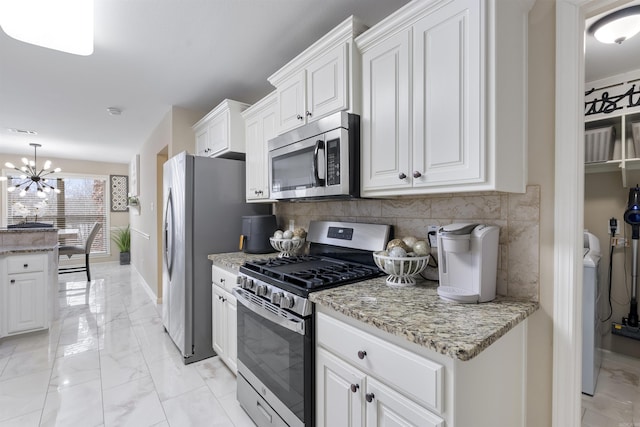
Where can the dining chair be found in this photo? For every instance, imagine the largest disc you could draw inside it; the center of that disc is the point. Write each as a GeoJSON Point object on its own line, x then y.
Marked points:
{"type": "Point", "coordinates": [85, 249]}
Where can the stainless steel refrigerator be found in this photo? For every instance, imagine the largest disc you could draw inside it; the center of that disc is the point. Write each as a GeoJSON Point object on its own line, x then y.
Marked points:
{"type": "Point", "coordinates": [204, 200]}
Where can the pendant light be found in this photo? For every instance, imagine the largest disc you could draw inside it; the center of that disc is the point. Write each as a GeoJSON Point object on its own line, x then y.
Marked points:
{"type": "Point", "coordinates": [618, 26]}
{"type": "Point", "coordinates": [32, 177]}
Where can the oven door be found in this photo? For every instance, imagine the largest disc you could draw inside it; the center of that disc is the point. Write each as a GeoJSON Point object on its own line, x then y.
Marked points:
{"type": "Point", "coordinates": [275, 356]}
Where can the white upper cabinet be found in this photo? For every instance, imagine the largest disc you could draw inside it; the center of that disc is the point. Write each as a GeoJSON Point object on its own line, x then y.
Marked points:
{"type": "Point", "coordinates": [319, 81]}
{"type": "Point", "coordinates": [444, 98]}
{"type": "Point", "coordinates": [221, 132]}
{"type": "Point", "coordinates": [260, 127]}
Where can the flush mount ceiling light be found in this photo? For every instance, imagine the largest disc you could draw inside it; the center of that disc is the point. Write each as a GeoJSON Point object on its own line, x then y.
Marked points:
{"type": "Point", "coordinates": [114, 111]}
{"type": "Point", "coordinates": [617, 26]}
{"type": "Point", "coordinates": [64, 25]}
{"type": "Point", "coordinates": [30, 175]}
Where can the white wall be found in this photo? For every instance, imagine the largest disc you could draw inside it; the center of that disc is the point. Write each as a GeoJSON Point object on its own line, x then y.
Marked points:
{"type": "Point", "coordinates": [172, 135]}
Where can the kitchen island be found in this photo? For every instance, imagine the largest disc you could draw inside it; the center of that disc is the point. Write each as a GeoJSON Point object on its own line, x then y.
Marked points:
{"type": "Point", "coordinates": [28, 279]}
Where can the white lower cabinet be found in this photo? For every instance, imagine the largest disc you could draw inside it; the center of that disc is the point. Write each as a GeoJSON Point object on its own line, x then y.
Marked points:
{"type": "Point", "coordinates": [351, 371]}
{"type": "Point", "coordinates": [368, 378]}
{"type": "Point", "coordinates": [224, 326]}
{"type": "Point", "coordinates": [25, 294]}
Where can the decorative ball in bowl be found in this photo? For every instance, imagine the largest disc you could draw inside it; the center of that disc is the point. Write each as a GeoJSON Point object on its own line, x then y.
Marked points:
{"type": "Point", "coordinates": [286, 247]}
{"type": "Point", "coordinates": [401, 270]}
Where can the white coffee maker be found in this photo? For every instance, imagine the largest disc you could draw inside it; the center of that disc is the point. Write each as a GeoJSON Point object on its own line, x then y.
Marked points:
{"type": "Point", "coordinates": [468, 262]}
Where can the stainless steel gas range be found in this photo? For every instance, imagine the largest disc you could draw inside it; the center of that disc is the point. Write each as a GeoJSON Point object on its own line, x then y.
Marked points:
{"type": "Point", "coordinates": [275, 318]}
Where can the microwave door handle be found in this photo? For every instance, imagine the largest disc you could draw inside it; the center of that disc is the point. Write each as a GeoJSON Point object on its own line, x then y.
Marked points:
{"type": "Point", "coordinates": [319, 146]}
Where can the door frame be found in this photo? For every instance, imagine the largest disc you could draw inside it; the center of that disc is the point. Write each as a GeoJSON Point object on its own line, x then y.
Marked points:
{"type": "Point", "coordinates": [569, 207]}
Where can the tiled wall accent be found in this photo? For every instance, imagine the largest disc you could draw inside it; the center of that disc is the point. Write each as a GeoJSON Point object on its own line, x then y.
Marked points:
{"type": "Point", "coordinates": [517, 215]}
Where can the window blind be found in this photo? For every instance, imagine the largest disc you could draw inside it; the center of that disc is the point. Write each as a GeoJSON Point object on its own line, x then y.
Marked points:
{"type": "Point", "coordinates": [82, 201]}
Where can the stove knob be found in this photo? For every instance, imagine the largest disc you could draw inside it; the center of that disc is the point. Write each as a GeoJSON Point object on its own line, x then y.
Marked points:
{"type": "Point", "coordinates": [276, 298]}
{"type": "Point", "coordinates": [261, 290]}
{"type": "Point", "coordinates": [240, 280]}
{"type": "Point", "coordinates": [248, 284]}
{"type": "Point", "coordinates": [287, 301]}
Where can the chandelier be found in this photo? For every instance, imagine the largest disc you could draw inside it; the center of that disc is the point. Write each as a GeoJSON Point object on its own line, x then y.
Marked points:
{"type": "Point", "coordinates": [31, 176]}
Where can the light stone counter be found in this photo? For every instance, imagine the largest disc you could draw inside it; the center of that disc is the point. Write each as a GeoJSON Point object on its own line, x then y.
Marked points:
{"type": "Point", "coordinates": [27, 240]}
{"type": "Point", "coordinates": [416, 313]}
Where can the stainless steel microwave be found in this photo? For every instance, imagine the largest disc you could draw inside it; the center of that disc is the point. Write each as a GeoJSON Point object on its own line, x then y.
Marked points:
{"type": "Point", "coordinates": [317, 160]}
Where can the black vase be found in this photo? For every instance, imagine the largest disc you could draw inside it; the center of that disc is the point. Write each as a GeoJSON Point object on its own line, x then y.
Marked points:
{"type": "Point", "coordinates": [125, 258]}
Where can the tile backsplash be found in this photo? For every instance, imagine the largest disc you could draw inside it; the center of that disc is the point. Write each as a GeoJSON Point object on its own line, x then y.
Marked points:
{"type": "Point", "coordinates": [517, 215]}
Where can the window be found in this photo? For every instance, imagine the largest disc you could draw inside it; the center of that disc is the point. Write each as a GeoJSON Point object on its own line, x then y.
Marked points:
{"type": "Point", "coordinates": [81, 202]}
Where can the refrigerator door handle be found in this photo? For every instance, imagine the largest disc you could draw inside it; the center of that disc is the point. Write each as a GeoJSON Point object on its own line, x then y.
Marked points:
{"type": "Point", "coordinates": [168, 234]}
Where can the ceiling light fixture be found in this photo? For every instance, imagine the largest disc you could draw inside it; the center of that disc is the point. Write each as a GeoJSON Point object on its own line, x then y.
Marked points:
{"type": "Point", "coordinates": [30, 175]}
{"type": "Point", "coordinates": [113, 111]}
{"type": "Point", "coordinates": [617, 26]}
{"type": "Point", "coordinates": [64, 25]}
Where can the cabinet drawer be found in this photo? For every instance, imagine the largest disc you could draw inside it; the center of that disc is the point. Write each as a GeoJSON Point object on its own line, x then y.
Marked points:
{"type": "Point", "coordinates": [416, 377]}
{"type": "Point", "coordinates": [223, 278]}
{"type": "Point", "coordinates": [25, 263]}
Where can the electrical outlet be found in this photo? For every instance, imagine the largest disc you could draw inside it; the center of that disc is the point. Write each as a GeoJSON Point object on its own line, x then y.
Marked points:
{"type": "Point", "coordinates": [431, 233]}
{"type": "Point", "coordinates": [613, 223]}
{"type": "Point", "coordinates": [619, 242]}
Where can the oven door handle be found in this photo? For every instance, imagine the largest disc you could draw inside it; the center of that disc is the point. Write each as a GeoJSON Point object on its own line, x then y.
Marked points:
{"type": "Point", "coordinates": [294, 325]}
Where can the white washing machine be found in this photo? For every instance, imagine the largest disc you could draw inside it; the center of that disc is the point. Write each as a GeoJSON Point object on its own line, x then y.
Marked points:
{"type": "Point", "coordinates": [591, 337]}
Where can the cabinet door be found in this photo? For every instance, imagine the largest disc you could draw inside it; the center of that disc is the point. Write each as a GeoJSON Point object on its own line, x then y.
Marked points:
{"type": "Point", "coordinates": [327, 84]}
{"type": "Point", "coordinates": [258, 131]}
{"type": "Point", "coordinates": [232, 333]}
{"type": "Point", "coordinates": [219, 133]}
{"type": "Point", "coordinates": [291, 103]}
{"type": "Point", "coordinates": [26, 294]}
{"type": "Point", "coordinates": [202, 142]}
{"type": "Point", "coordinates": [388, 408]}
{"type": "Point", "coordinates": [219, 320]}
{"type": "Point", "coordinates": [448, 142]}
{"type": "Point", "coordinates": [385, 115]}
{"type": "Point", "coordinates": [254, 161]}
{"type": "Point", "coordinates": [338, 405]}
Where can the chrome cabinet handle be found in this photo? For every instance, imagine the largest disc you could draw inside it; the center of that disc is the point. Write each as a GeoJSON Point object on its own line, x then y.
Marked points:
{"type": "Point", "coordinates": [402, 175]}
{"type": "Point", "coordinates": [417, 174]}
{"type": "Point", "coordinates": [354, 387]}
{"type": "Point", "coordinates": [369, 397]}
{"type": "Point", "coordinates": [361, 354]}
{"type": "Point", "coordinates": [299, 117]}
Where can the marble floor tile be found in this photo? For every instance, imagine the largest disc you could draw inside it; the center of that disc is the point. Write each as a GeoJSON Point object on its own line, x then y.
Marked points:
{"type": "Point", "coordinates": [32, 419]}
{"type": "Point", "coordinates": [22, 395]}
{"type": "Point", "coordinates": [217, 376]}
{"type": "Point", "coordinates": [28, 362]}
{"type": "Point", "coordinates": [135, 404]}
{"type": "Point", "coordinates": [73, 370]}
{"type": "Point", "coordinates": [80, 405]}
{"type": "Point", "coordinates": [232, 407]}
{"type": "Point", "coordinates": [172, 378]}
{"type": "Point", "coordinates": [196, 408]}
{"type": "Point", "coordinates": [120, 368]}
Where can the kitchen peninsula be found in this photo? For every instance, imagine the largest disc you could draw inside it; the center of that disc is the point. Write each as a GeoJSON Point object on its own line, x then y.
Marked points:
{"type": "Point", "coordinates": [28, 279]}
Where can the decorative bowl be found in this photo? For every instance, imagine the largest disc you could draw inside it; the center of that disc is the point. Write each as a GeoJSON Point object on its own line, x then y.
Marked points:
{"type": "Point", "coordinates": [286, 247]}
{"type": "Point", "coordinates": [401, 270]}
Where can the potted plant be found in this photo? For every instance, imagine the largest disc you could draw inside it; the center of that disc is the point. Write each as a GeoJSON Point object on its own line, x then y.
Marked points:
{"type": "Point", "coordinates": [122, 238]}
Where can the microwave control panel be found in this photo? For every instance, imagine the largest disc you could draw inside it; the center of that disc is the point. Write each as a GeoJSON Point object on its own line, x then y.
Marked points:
{"type": "Point", "coordinates": [333, 162]}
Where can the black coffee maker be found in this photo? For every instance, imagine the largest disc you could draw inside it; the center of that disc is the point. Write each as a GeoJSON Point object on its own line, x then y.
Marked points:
{"type": "Point", "coordinates": [256, 230]}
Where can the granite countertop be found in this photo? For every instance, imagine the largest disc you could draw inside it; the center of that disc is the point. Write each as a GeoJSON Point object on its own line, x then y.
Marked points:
{"type": "Point", "coordinates": [416, 313]}
{"type": "Point", "coordinates": [27, 240]}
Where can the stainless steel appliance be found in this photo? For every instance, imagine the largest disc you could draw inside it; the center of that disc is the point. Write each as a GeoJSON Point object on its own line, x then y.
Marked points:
{"type": "Point", "coordinates": [320, 159]}
{"type": "Point", "coordinates": [256, 230]}
{"type": "Point", "coordinates": [203, 201]}
{"type": "Point", "coordinates": [275, 318]}
{"type": "Point", "coordinates": [468, 262]}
